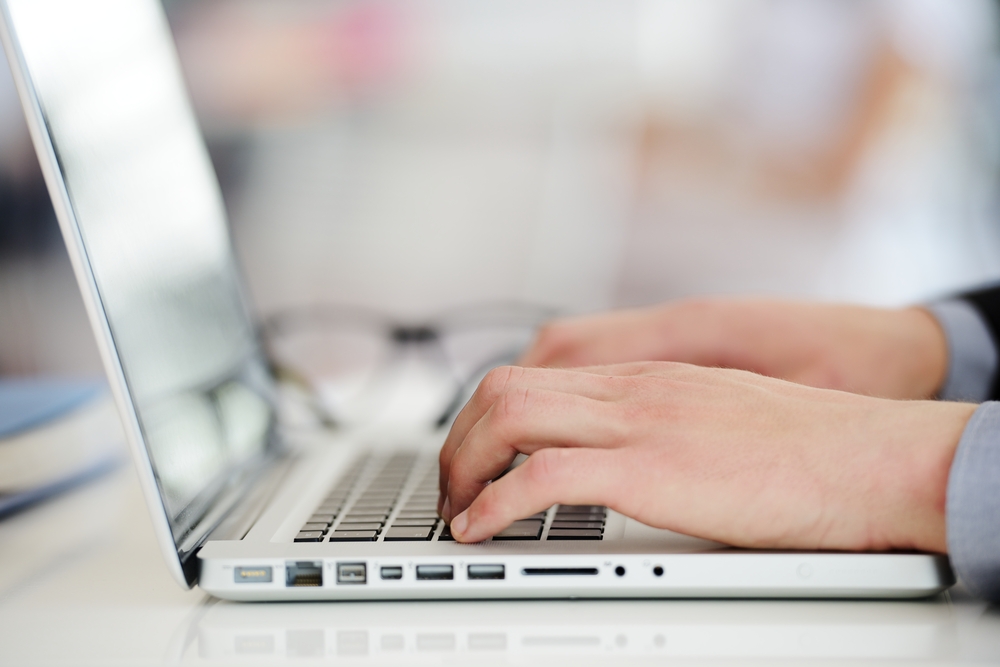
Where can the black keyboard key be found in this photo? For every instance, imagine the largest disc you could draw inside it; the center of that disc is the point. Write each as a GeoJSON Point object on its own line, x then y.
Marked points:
{"type": "Point", "coordinates": [408, 534]}
{"type": "Point", "coordinates": [418, 514]}
{"type": "Point", "coordinates": [333, 507]}
{"type": "Point", "coordinates": [521, 530]}
{"type": "Point", "coordinates": [371, 509]}
{"type": "Point", "coordinates": [321, 518]}
{"type": "Point", "coordinates": [581, 509]}
{"type": "Point", "coordinates": [360, 526]}
{"type": "Point", "coordinates": [414, 522]}
{"type": "Point", "coordinates": [376, 501]}
{"type": "Point", "coordinates": [348, 525]}
{"type": "Point", "coordinates": [321, 527]}
{"type": "Point", "coordinates": [446, 535]}
{"type": "Point", "coordinates": [574, 534]}
{"type": "Point", "coordinates": [578, 525]}
{"type": "Point", "coordinates": [421, 505]}
{"type": "Point", "coordinates": [353, 536]}
{"type": "Point", "coordinates": [365, 518]}
{"type": "Point", "coordinates": [309, 536]}
{"type": "Point", "coordinates": [580, 517]}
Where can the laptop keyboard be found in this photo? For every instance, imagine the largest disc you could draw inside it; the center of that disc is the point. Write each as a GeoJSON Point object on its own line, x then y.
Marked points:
{"type": "Point", "coordinates": [394, 499]}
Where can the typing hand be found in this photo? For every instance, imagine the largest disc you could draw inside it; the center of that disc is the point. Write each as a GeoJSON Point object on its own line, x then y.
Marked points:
{"type": "Point", "coordinates": [722, 454]}
{"type": "Point", "coordinates": [879, 352]}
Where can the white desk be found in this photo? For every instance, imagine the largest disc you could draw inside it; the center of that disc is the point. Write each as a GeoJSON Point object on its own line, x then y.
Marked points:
{"type": "Point", "coordinates": [82, 583]}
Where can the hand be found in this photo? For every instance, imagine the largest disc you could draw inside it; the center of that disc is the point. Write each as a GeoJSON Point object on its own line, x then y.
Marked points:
{"type": "Point", "coordinates": [887, 353]}
{"type": "Point", "coordinates": [721, 454]}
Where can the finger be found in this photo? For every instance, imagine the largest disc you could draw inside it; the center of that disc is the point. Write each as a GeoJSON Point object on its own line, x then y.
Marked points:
{"type": "Point", "coordinates": [606, 338]}
{"type": "Point", "coordinates": [524, 421]}
{"type": "Point", "coordinates": [500, 380]}
{"type": "Point", "coordinates": [549, 476]}
{"type": "Point", "coordinates": [555, 342]}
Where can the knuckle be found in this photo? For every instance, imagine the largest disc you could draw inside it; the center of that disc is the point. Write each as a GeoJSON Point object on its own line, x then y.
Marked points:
{"type": "Point", "coordinates": [512, 406]}
{"type": "Point", "coordinates": [543, 467]}
{"type": "Point", "coordinates": [496, 382]}
{"type": "Point", "coordinates": [553, 336]}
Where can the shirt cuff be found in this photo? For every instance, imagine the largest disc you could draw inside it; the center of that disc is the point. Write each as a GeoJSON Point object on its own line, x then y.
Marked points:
{"type": "Point", "coordinates": [973, 504]}
{"type": "Point", "coordinates": [972, 354]}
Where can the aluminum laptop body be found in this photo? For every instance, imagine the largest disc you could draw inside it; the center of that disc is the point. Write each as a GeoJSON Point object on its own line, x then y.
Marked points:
{"type": "Point", "coordinates": [140, 210]}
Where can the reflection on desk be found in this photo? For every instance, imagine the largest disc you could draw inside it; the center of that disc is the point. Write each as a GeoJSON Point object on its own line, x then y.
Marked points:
{"type": "Point", "coordinates": [523, 629]}
{"type": "Point", "coordinates": [82, 582]}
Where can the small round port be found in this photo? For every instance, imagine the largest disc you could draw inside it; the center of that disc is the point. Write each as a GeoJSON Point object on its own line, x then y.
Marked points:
{"type": "Point", "coordinates": [658, 571]}
{"type": "Point", "coordinates": [620, 571]}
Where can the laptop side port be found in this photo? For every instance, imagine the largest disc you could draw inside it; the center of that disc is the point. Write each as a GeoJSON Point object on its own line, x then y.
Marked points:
{"type": "Point", "coordinates": [558, 571]}
{"type": "Point", "coordinates": [486, 572]}
{"type": "Point", "coordinates": [256, 575]}
{"type": "Point", "coordinates": [435, 572]}
{"type": "Point", "coordinates": [304, 573]}
{"type": "Point", "coordinates": [352, 573]}
{"type": "Point", "coordinates": [392, 572]}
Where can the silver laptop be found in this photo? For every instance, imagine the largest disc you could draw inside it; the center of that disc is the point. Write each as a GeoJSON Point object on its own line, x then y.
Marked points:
{"type": "Point", "coordinates": [240, 507]}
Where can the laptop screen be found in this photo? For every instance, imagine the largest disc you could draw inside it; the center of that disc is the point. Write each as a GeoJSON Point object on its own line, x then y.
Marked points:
{"type": "Point", "coordinates": [149, 212]}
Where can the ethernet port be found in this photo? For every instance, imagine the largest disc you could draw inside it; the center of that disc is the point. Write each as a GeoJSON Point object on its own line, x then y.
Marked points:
{"type": "Point", "coordinates": [304, 573]}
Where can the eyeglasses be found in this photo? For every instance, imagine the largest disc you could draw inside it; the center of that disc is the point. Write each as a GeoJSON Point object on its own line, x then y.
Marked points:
{"type": "Point", "coordinates": [357, 366]}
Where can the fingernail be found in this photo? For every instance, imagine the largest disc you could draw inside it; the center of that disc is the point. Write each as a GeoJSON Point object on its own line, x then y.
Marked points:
{"type": "Point", "coordinates": [446, 510]}
{"type": "Point", "coordinates": [460, 523]}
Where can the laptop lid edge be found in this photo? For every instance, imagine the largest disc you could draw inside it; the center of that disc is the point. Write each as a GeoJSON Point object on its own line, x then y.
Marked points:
{"type": "Point", "coordinates": [58, 193]}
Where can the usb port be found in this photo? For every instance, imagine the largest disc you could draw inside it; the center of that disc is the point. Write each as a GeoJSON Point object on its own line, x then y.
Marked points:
{"type": "Point", "coordinates": [435, 572]}
{"type": "Point", "coordinates": [304, 573]}
{"type": "Point", "coordinates": [392, 572]}
{"type": "Point", "coordinates": [486, 572]}
{"type": "Point", "coordinates": [352, 573]}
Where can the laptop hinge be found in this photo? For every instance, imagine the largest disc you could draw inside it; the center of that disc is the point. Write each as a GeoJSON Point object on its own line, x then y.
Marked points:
{"type": "Point", "coordinates": [238, 522]}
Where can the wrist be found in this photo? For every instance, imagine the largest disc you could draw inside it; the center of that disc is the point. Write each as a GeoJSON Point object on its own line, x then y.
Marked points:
{"type": "Point", "coordinates": [912, 483]}
{"type": "Point", "coordinates": [923, 348]}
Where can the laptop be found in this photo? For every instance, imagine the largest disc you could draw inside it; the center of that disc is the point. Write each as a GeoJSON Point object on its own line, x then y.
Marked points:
{"type": "Point", "coordinates": [241, 506]}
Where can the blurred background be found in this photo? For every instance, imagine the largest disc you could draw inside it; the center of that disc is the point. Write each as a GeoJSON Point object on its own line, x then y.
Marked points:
{"type": "Point", "coordinates": [424, 155]}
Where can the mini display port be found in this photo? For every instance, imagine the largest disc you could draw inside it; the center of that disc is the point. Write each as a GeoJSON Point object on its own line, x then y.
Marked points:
{"type": "Point", "coordinates": [392, 572]}
{"type": "Point", "coordinates": [304, 573]}
{"type": "Point", "coordinates": [486, 572]}
{"type": "Point", "coordinates": [435, 572]}
{"type": "Point", "coordinates": [352, 573]}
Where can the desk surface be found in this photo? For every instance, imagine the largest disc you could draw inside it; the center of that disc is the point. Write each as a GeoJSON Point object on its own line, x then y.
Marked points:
{"type": "Point", "coordinates": [82, 583]}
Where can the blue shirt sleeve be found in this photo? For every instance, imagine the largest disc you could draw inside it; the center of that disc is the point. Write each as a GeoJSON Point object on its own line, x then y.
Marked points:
{"type": "Point", "coordinates": [972, 512]}
{"type": "Point", "coordinates": [973, 504]}
{"type": "Point", "coordinates": [972, 355]}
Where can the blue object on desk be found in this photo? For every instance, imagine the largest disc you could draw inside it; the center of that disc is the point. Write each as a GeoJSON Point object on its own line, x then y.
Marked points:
{"type": "Point", "coordinates": [11, 503]}
{"type": "Point", "coordinates": [26, 403]}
